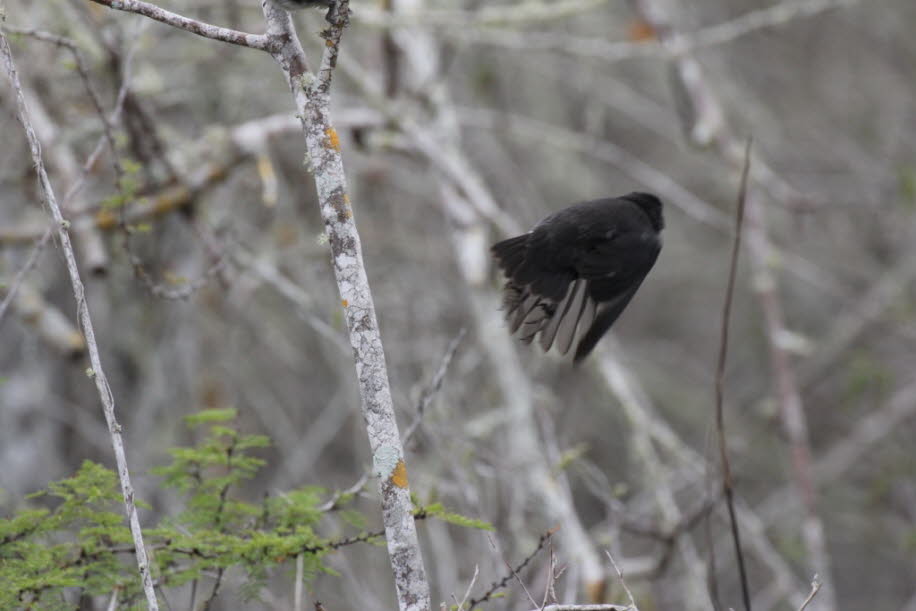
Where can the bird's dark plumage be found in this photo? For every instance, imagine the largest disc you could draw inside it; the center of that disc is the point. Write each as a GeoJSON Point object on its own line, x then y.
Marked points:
{"type": "Point", "coordinates": [575, 272]}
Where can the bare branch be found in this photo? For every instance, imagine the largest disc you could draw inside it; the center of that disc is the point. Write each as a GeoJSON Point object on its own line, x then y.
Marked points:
{"type": "Point", "coordinates": [815, 587]}
{"type": "Point", "coordinates": [244, 39]}
{"type": "Point", "coordinates": [468, 28]}
{"type": "Point", "coordinates": [488, 16]}
{"type": "Point", "coordinates": [608, 152]}
{"type": "Point", "coordinates": [434, 385]}
{"type": "Point", "coordinates": [98, 374]}
{"type": "Point", "coordinates": [623, 582]}
{"type": "Point", "coordinates": [727, 482]}
{"type": "Point", "coordinates": [496, 586]}
{"type": "Point", "coordinates": [606, 607]}
{"type": "Point", "coordinates": [51, 325]}
{"type": "Point", "coordinates": [30, 262]}
{"type": "Point", "coordinates": [704, 121]}
{"type": "Point", "coordinates": [467, 593]}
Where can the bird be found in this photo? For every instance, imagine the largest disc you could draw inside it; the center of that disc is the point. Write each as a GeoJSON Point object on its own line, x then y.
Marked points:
{"type": "Point", "coordinates": [577, 269]}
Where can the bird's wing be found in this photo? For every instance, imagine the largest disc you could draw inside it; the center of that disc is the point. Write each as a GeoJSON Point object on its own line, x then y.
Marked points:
{"type": "Point", "coordinates": [576, 310]}
{"type": "Point", "coordinates": [608, 312]}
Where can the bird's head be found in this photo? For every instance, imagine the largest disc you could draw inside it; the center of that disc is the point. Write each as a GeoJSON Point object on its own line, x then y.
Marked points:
{"type": "Point", "coordinates": [651, 205]}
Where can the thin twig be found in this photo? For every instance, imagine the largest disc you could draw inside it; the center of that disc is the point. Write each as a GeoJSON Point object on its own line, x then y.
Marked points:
{"type": "Point", "coordinates": [333, 503]}
{"type": "Point", "coordinates": [602, 607]}
{"type": "Point", "coordinates": [609, 51]}
{"type": "Point", "coordinates": [517, 578]}
{"type": "Point", "coordinates": [83, 71]}
{"type": "Point", "coordinates": [101, 381]}
{"type": "Point", "coordinates": [489, 15]}
{"type": "Point", "coordinates": [815, 586]}
{"type": "Point", "coordinates": [339, 21]}
{"type": "Point", "coordinates": [215, 591]}
{"type": "Point", "coordinates": [623, 582]}
{"type": "Point", "coordinates": [30, 262]}
{"type": "Point", "coordinates": [434, 385]}
{"type": "Point", "coordinates": [467, 592]}
{"type": "Point", "coordinates": [496, 586]}
{"type": "Point", "coordinates": [727, 483]}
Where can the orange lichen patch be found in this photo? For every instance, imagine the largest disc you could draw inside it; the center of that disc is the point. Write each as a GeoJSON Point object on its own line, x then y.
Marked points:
{"type": "Point", "coordinates": [333, 138]}
{"type": "Point", "coordinates": [399, 477]}
{"type": "Point", "coordinates": [268, 181]}
{"type": "Point", "coordinates": [344, 303]}
{"type": "Point", "coordinates": [105, 219]}
{"type": "Point", "coordinates": [641, 31]}
{"type": "Point", "coordinates": [596, 591]}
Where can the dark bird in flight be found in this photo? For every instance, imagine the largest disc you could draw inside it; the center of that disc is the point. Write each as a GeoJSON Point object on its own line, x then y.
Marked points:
{"type": "Point", "coordinates": [576, 271]}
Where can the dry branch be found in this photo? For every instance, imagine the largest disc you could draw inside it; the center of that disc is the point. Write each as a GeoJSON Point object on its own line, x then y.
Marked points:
{"type": "Point", "coordinates": [97, 373]}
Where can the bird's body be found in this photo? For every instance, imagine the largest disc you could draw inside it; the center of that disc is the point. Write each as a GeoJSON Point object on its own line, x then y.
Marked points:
{"type": "Point", "coordinates": [576, 271]}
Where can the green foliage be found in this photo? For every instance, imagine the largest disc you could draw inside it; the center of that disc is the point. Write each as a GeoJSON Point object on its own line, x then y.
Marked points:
{"type": "Point", "coordinates": [76, 538]}
{"type": "Point", "coordinates": [128, 185]}
{"type": "Point", "coordinates": [83, 541]}
{"type": "Point", "coordinates": [436, 510]}
{"type": "Point", "coordinates": [45, 550]}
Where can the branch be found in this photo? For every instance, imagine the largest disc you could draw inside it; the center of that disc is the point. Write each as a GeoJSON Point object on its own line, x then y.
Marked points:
{"type": "Point", "coordinates": [645, 425]}
{"type": "Point", "coordinates": [48, 198]}
{"type": "Point", "coordinates": [585, 608]}
{"type": "Point", "coordinates": [623, 582]}
{"type": "Point", "coordinates": [815, 587]}
{"type": "Point", "coordinates": [603, 150]}
{"type": "Point", "coordinates": [312, 100]}
{"type": "Point", "coordinates": [49, 322]}
{"type": "Point", "coordinates": [707, 126]}
{"type": "Point", "coordinates": [496, 586]}
{"type": "Point", "coordinates": [727, 483]}
{"type": "Point", "coordinates": [30, 262]}
{"type": "Point", "coordinates": [617, 51]}
{"type": "Point", "coordinates": [518, 13]}
{"type": "Point", "coordinates": [235, 37]}
{"type": "Point", "coordinates": [434, 385]}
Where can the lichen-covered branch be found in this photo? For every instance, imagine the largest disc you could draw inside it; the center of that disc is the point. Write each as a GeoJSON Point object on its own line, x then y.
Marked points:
{"type": "Point", "coordinates": [312, 99]}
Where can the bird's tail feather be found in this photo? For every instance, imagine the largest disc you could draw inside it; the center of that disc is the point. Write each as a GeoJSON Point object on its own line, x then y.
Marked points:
{"type": "Point", "coordinates": [511, 253]}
